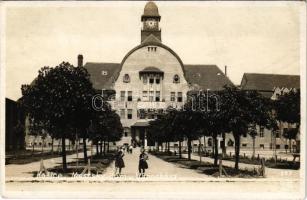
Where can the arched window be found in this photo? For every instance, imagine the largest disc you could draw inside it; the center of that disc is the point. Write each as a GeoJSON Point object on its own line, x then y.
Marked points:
{"type": "Point", "coordinates": [176, 79]}
{"type": "Point", "coordinates": [126, 78]}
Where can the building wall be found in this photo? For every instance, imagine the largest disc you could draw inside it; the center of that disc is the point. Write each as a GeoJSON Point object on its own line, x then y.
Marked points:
{"type": "Point", "coordinates": [160, 58]}
{"type": "Point", "coordinates": [14, 136]}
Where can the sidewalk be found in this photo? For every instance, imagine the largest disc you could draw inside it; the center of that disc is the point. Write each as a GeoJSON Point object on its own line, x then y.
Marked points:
{"type": "Point", "coordinates": [270, 172]}
{"type": "Point", "coordinates": [26, 170]}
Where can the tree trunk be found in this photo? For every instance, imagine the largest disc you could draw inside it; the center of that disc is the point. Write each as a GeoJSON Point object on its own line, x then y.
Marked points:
{"type": "Point", "coordinates": [254, 138]}
{"type": "Point", "coordinates": [43, 146]}
{"type": "Point", "coordinates": [290, 145]}
{"type": "Point", "coordinates": [237, 150]}
{"type": "Point", "coordinates": [213, 148]}
{"type": "Point", "coordinates": [100, 152]}
{"type": "Point", "coordinates": [104, 147]}
{"type": "Point", "coordinates": [205, 150]}
{"type": "Point", "coordinates": [52, 145]}
{"type": "Point", "coordinates": [33, 145]}
{"type": "Point", "coordinates": [180, 155]}
{"type": "Point", "coordinates": [84, 150]}
{"type": "Point", "coordinates": [224, 144]}
{"type": "Point", "coordinates": [189, 149]}
{"type": "Point", "coordinates": [97, 150]}
{"type": "Point", "coordinates": [64, 154]}
{"type": "Point", "coordinates": [216, 150]}
{"type": "Point", "coordinates": [108, 146]}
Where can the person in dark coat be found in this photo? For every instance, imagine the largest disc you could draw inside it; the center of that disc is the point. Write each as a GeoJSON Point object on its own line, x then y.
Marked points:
{"type": "Point", "coordinates": [142, 162]}
{"type": "Point", "coordinates": [119, 161]}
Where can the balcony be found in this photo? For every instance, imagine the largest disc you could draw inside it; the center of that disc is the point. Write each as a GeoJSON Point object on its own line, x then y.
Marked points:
{"type": "Point", "coordinates": [153, 105]}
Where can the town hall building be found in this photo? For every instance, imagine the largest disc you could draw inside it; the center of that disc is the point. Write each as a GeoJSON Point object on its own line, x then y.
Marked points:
{"type": "Point", "coordinates": [150, 78]}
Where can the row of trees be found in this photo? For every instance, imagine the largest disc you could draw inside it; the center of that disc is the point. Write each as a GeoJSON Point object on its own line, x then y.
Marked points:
{"type": "Point", "coordinates": [59, 102]}
{"type": "Point", "coordinates": [231, 110]}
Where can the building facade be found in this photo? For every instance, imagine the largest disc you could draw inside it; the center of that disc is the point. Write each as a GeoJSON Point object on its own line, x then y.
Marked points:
{"type": "Point", "coordinates": [150, 78]}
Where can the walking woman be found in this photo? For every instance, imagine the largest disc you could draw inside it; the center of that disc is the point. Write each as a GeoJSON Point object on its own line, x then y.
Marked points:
{"type": "Point", "coordinates": [142, 163]}
{"type": "Point", "coordinates": [119, 162]}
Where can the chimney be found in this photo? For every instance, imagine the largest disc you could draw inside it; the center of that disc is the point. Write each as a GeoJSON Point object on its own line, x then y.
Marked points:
{"type": "Point", "coordinates": [225, 70]}
{"type": "Point", "coordinates": [80, 60]}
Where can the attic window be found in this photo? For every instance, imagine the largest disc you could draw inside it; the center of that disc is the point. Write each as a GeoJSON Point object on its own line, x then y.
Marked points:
{"type": "Point", "coordinates": [176, 79]}
{"type": "Point", "coordinates": [151, 49]}
{"type": "Point", "coordinates": [126, 78]}
{"type": "Point", "coordinates": [104, 73]}
{"type": "Point", "coordinates": [218, 74]}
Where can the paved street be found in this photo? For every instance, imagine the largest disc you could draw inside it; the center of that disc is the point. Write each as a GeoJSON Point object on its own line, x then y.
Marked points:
{"type": "Point", "coordinates": [163, 180]}
{"type": "Point", "coordinates": [157, 167]}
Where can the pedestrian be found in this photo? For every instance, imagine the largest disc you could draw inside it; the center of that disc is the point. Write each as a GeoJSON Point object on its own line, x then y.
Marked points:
{"type": "Point", "coordinates": [130, 148]}
{"type": "Point", "coordinates": [142, 162]}
{"type": "Point", "coordinates": [119, 162]}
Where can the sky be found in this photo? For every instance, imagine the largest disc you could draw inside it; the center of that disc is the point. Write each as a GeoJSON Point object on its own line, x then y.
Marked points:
{"type": "Point", "coordinates": [247, 37]}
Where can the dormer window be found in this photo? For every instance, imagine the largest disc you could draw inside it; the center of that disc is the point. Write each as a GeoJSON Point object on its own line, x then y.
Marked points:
{"type": "Point", "coordinates": [126, 78]}
{"type": "Point", "coordinates": [176, 79]}
{"type": "Point", "coordinates": [104, 73]}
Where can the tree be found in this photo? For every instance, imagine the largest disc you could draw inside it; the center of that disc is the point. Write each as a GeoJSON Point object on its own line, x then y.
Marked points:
{"type": "Point", "coordinates": [60, 96]}
{"type": "Point", "coordinates": [287, 109]}
{"type": "Point", "coordinates": [242, 109]}
{"type": "Point", "coordinates": [162, 129]}
{"type": "Point", "coordinates": [211, 122]}
{"type": "Point", "coordinates": [105, 127]}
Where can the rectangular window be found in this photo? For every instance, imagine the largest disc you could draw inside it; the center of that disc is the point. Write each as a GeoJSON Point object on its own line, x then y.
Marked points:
{"type": "Point", "coordinates": [157, 80]}
{"type": "Point", "coordinates": [157, 95]}
{"type": "Point", "coordinates": [262, 146]}
{"type": "Point", "coordinates": [122, 95]}
{"type": "Point", "coordinates": [244, 145]}
{"type": "Point", "coordinates": [129, 95]}
{"type": "Point", "coordinates": [179, 97]}
{"type": "Point", "coordinates": [145, 96]}
{"type": "Point", "coordinates": [172, 96]}
{"type": "Point", "coordinates": [151, 80]}
{"type": "Point", "coordinates": [129, 114]}
{"type": "Point", "coordinates": [122, 113]}
{"type": "Point", "coordinates": [151, 96]}
{"type": "Point", "coordinates": [261, 132]}
{"type": "Point", "coordinates": [277, 146]}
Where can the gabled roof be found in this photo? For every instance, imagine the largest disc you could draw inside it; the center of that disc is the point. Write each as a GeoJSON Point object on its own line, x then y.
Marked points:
{"type": "Point", "coordinates": [103, 75]}
{"type": "Point", "coordinates": [267, 82]}
{"type": "Point", "coordinates": [151, 39]}
{"type": "Point", "coordinates": [206, 77]}
{"type": "Point", "coordinates": [200, 76]}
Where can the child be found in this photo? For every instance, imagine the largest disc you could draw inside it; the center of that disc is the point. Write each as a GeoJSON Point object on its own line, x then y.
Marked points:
{"type": "Point", "coordinates": [142, 162]}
